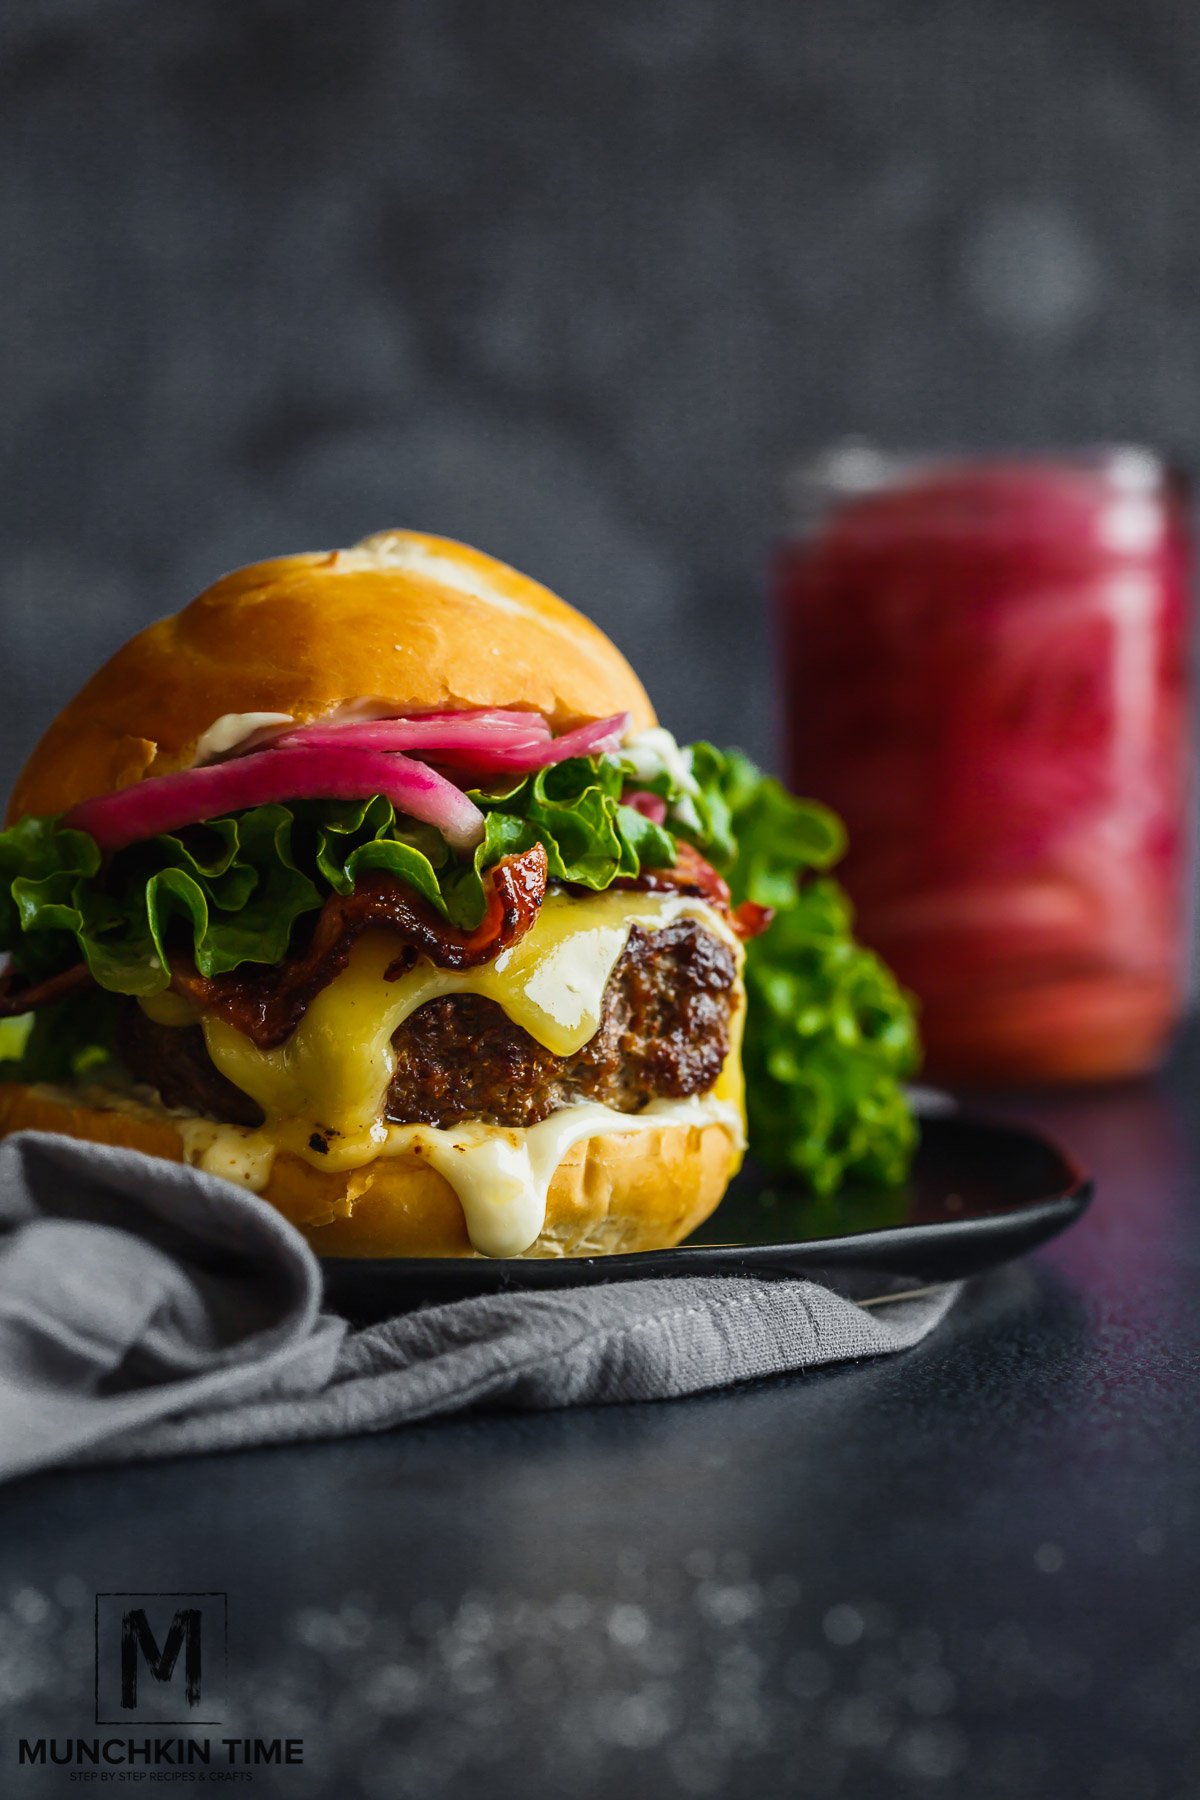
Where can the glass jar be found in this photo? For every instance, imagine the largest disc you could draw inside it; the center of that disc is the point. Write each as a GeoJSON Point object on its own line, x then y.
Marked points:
{"type": "Point", "coordinates": [985, 672]}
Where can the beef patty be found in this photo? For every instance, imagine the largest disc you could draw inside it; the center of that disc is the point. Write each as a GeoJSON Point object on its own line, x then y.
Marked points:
{"type": "Point", "coordinates": [664, 1033]}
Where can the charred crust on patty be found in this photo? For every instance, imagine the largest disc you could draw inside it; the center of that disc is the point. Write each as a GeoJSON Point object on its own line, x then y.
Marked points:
{"type": "Point", "coordinates": [663, 1034]}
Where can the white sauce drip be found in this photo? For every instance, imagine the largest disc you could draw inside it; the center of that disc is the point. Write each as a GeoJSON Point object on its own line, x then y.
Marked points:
{"type": "Point", "coordinates": [231, 729]}
{"type": "Point", "coordinates": [502, 1176]}
{"type": "Point", "coordinates": [655, 752]}
{"type": "Point", "coordinates": [245, 1157]}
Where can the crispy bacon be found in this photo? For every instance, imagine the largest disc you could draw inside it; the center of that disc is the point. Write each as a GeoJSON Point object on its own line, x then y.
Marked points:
{"type": "Point", "coordinates": [693, 874]}
{"type": "Point", "coordinates": [689, 874]}
{"type": "Point", "coordinates": [15, 999]}
{"type": "Point", "coordinates": [266, 1005]}
{"type": "Point", "coordinates": [750, 919]}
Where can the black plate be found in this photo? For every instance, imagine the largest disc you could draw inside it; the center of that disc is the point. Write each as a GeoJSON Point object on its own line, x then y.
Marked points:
{"type": "Point", "coordinates": [980, 1192]}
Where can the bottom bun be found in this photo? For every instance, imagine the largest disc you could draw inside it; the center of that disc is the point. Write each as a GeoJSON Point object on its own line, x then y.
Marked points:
{"type": "Point", "coordinates": [643, 1190]}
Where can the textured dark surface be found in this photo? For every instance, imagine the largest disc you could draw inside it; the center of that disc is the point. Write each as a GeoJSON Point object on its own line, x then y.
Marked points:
{"type": "Point", "coordinates": [568, 277]}
{"type": "Point", "coordinates": [970, 1571]}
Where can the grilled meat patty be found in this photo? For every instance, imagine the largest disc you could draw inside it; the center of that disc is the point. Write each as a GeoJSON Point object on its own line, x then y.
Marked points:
{"type": "Point", "coordinates": [175, 1060]}
{"type": "Point", "coordinates": [664, 1033]}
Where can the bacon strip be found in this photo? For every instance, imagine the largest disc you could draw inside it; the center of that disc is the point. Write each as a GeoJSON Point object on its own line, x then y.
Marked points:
{"type": "Point", "coordinates": [14, 1001]}
{"type": "Point", "coordinates": [750, 919]}
{"type": "Point", "coordinates": [694, 874]}
{"type": "Point", "coordinates": [267, 1005]}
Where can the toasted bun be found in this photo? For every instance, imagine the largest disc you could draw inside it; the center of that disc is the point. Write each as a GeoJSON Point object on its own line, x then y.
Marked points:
{"type": "Point", "coordinates": [411, 622]}
{"type": "Point", "coordinates": [643, 1191]}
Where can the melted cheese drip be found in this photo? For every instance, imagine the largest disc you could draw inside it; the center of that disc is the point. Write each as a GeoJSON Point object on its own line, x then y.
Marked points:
{"type": "Point", "coordinates": [502, 1176]}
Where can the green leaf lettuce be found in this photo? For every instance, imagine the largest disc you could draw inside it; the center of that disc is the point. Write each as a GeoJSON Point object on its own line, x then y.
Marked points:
{"type": "Point", "coordinates": [830, 1036]}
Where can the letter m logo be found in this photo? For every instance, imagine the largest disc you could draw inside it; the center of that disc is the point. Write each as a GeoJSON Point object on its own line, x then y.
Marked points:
{"type": "Point", "coordinates": [160, 1659]}
{"type": "Point", "coordinates": [138, 1643]}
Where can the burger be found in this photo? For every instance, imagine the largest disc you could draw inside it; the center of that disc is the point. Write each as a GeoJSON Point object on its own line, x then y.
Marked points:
{"type": "Point", "coordinates": [371, 882]}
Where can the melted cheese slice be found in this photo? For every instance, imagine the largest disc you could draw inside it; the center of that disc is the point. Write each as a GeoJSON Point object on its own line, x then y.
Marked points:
{"type": "Point", "coordinates": [323, 1091]}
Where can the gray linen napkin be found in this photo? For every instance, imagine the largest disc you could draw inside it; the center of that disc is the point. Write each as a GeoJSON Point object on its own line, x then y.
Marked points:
{"type": "Point", "coordinates": [147, 1309]}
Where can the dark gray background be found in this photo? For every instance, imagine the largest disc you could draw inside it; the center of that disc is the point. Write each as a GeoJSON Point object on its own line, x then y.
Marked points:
{"type": "Point", "coordinates": [569, 278]}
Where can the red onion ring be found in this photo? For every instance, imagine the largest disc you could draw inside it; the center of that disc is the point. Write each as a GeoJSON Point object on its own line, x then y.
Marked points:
{"type": "Point", "coordinates": [586, 740]}
{"type": "Point", "coordinates": [485, 742]}
{"type": "Point", "coordinates": [169, 802]}
{"type": "Point", "coordinates": [429, 734]}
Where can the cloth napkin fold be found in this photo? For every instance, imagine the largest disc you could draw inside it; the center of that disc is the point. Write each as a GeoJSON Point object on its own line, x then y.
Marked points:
{"type": "Point", "coordinates": [148, 1309]}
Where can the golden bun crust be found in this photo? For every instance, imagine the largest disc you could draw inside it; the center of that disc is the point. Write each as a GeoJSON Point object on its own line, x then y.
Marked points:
{"type": "Point", "coordinates": [413, 622]}
{"type": "Point", "coordinates": [643, 1191]}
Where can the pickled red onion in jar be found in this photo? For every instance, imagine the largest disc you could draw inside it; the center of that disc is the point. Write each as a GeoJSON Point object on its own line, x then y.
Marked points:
{"type": "Point", "coordinates": [985, 673]}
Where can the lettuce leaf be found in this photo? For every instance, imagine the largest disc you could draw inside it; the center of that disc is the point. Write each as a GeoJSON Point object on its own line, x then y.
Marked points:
{"type": "Point", "coordinates": [236, 887]}
{"type": "Point", "coordinates": [68, 1041]}
{"type": "Point", "coordinates": [830, 1035]}
{"type": "Point", "coordinates": [233, 886]}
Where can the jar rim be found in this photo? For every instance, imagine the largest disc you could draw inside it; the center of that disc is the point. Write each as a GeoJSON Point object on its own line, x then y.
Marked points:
{"type": "Point", "coordinates": [854, 468]}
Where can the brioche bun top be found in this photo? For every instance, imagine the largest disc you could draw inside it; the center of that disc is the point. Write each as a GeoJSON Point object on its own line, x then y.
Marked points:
{"type": "Point", "coordinates": [405, 622]}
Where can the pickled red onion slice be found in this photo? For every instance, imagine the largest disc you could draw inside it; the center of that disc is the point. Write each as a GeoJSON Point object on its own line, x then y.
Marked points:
{"type": "Point", "coordinates": [651, 806]}
{"type": "Point", "coordinates": [586, 740]}
{"type": "Point", "coordinates": [536, 721]}
{"type": "Point", "coordinates": [487, 742]}
{"type": "Point", "coordinates": [428, 733]}
{"type": "Point", "coordinates": [169, 802]}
